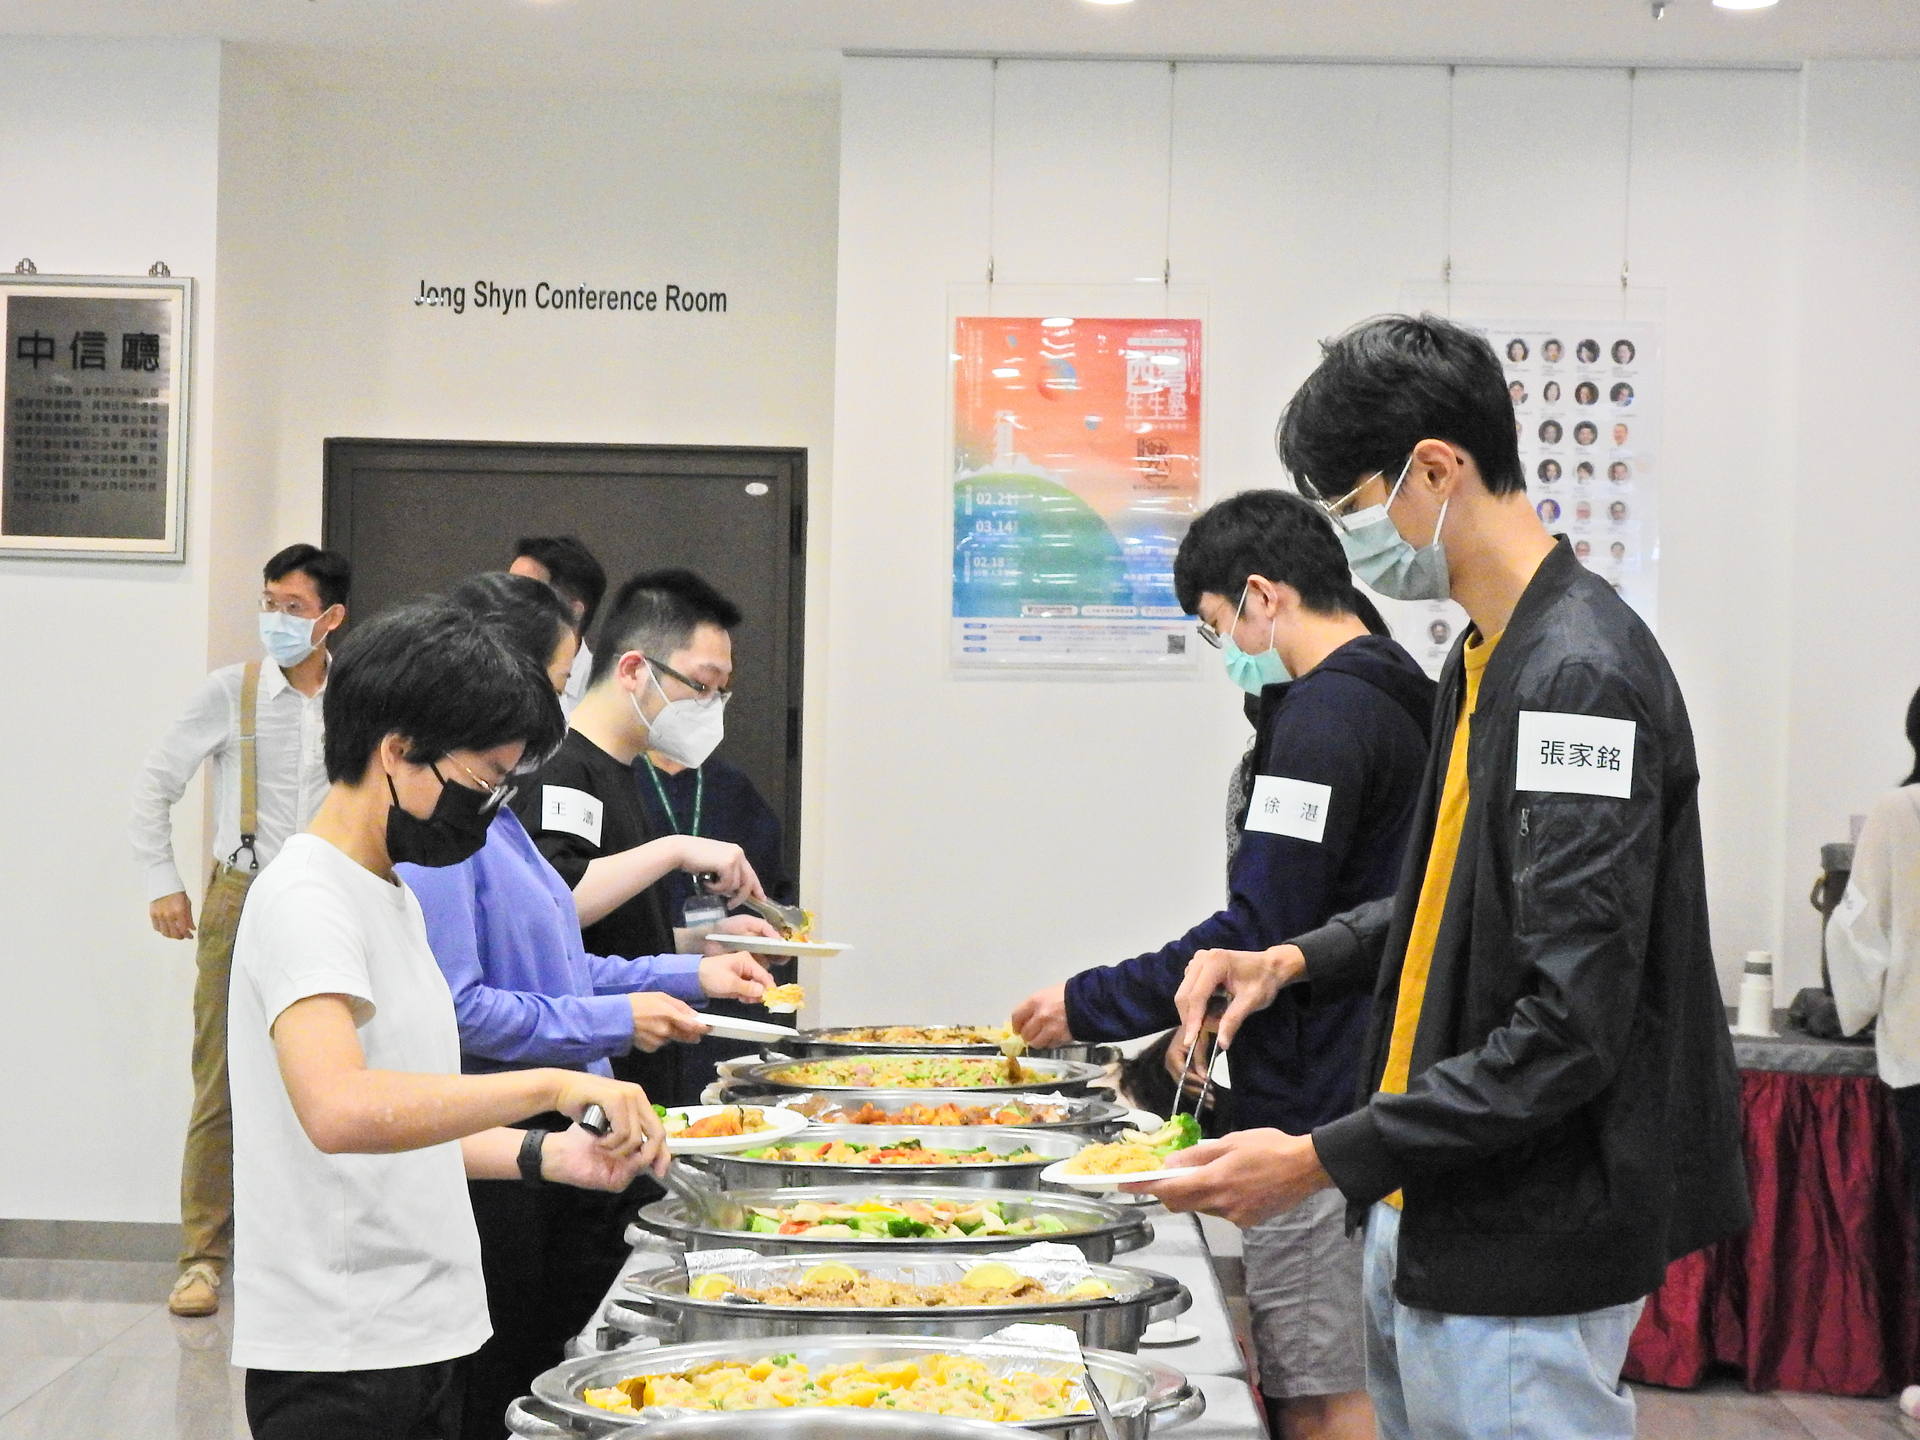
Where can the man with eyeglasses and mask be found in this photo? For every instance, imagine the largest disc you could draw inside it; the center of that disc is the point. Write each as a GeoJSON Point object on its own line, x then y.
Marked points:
{"type": "Point", "coordinates": [1551, 1107]}
{"type": "Point", "coordinates": [662, 672]}
{"type": "Point", "coordinates": [261, 725]}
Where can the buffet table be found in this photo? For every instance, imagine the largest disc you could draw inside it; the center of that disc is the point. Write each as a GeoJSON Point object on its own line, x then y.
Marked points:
{"type": "Point", "coordinates": [1819, 1295]}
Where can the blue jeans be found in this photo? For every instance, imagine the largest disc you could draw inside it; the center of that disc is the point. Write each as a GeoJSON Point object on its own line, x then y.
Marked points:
{"type": "Point", "coordinates": [1489, 1377]}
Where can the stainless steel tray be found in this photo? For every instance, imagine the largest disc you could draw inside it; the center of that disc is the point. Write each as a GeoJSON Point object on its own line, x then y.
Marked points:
{"type": "Point", "coordinates": [833, 1040]}
{"type": "Point", "coordinates": [657, 1305]}
{"type": "Point", "coordinates": [1095, 1115]}
{"type": "Point", "coordinates": [1140, 1392]}
{"type": "Point", "coordinates": [1098, 1229]}
{"type": "Point", "coordinates": [530, 1419]}
{"type": "Point", "coordinates": [1069, 1077]}
{"type": "Point", "coordinates": [740, 1172]}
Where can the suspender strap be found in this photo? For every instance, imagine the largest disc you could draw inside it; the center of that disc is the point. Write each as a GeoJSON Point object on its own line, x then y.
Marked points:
{"type": "Point", "coordinates": [249, 767]}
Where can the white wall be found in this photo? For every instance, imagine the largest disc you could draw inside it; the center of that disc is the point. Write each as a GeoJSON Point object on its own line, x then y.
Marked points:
{"type": "Point", "coordinates": [1022, 831]}
{"type": "Point", "coordinates": [1855, 523]}
{"type": "Point", "coordinates": [108, 160]}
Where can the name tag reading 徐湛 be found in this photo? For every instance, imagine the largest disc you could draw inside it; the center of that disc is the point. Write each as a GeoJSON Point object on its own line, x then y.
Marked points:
{"type": "Point", "coordinates": [574, 812]}
{"type": "Point", "coordinates": [1574, 754]}
{"type": "Point", "coordinates": [1295, 808]}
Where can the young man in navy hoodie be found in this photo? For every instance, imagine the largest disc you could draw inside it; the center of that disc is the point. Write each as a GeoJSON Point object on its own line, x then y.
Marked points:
{"type": "Point", "coordinates": [1322, 806]}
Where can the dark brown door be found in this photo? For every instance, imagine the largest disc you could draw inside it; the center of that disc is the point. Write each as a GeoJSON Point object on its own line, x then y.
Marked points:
{"type": "Point", "coordinates": [415, 516]}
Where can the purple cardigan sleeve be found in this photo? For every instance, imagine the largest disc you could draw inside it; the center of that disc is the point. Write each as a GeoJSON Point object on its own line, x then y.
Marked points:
{"type": "Point", "coordinates": [512, 1026]}
{"type": "Point", "coordinates": [676, 975]}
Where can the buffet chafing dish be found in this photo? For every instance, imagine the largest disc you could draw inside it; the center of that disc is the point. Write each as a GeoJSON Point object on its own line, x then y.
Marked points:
{"type": "Point", "coordinates": [529, 1419]}
{"type": "Point", "coordinates": [1098, 1229]}
{"type": "Point", "coordinates": [657, 1305]}
{"type": "Point", "coordinates": [1095, 1116]}
{"type": "Point", "coordinates": [740, 1172]}
{"type": "Point", "coordinates": [1139, 1392]}
{"type": "Point", "coordinates": [1069, 1077]}
{"type": "Point", "coordinates": [843, 1040]}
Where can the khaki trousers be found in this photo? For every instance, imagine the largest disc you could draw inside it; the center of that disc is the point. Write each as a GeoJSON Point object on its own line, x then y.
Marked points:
{"type": "Point", "coordinates": [206, 1170]}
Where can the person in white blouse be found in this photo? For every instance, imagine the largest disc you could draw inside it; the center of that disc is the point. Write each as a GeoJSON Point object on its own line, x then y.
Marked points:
{"type": "Point", "coordinates": [260, 725]}
{"type": "Point", "coordinates": [1873, 954]}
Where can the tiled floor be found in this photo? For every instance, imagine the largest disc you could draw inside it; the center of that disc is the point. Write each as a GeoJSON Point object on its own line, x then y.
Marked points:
{"type": "Point", "coordinates": [114, 1363]}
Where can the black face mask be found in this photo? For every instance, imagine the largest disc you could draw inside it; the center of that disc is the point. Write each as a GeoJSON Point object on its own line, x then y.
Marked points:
{"type": "Point", "coordinates": [455, 831]}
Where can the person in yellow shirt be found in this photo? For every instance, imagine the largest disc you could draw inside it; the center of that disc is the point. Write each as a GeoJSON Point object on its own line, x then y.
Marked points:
{"type": "Point", "coordinates": [1550, 1105]}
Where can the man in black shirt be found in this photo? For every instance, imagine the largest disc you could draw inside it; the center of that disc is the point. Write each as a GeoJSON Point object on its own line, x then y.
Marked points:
{"type": "Point", "coordinates": [719, 801]}
{"type": "Point", "coordinates": [660, 677]}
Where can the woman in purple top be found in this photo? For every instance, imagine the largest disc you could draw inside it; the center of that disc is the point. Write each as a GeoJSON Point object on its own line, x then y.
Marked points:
{"type": "Point", "coordinates": [504, 930]}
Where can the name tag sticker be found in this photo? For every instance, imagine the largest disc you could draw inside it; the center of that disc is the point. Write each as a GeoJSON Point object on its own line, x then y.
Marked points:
{"type": "Point", "coordinates": [1574, 754]}
{"type": "Point", "coordinates": [1296, 808]}
{"type": "Point", "coordinates": [574, 812]}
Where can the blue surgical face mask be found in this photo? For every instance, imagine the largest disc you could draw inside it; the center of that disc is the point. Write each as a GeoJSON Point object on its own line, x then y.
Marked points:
{"type": "Point", "coordinates": [1252, 673]}
{"type": "Point", "coordinates": [288, 638]}
{"type": "Point", "coordinates": [1388, 563]}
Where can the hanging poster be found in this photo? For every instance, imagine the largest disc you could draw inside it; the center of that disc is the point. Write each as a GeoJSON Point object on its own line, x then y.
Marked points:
{"type": "Point", "coordinates": [1076, 470]}
{"type": "Point", "coordinates": [1586, 406]}
{"type": "Point", "coordinates": [93, 424]}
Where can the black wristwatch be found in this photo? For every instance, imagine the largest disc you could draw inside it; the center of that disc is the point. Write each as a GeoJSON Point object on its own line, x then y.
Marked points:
{"type": "Point", "coordinates": [530, 1159]}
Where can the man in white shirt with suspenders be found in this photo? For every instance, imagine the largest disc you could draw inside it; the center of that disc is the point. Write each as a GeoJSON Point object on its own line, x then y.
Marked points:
{"type": "Point", "coordinates": [260, 724]}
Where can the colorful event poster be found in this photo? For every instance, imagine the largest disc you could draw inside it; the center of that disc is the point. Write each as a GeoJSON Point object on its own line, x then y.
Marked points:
{"type": "Point", "coordinates": [1586, 407]}
{"type": "Point", "coordinates": [1076, 470]}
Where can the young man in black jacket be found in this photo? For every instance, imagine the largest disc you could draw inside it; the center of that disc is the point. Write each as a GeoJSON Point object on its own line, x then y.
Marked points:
{"type": "Point", "coordinates": [1326, 797]}
{"type": "Point", "coordinates": [1552, 1108]}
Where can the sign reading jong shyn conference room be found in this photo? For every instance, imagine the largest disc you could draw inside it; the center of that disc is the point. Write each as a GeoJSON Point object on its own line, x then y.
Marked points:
{"type": "Point", "coordinates": [490, 298]}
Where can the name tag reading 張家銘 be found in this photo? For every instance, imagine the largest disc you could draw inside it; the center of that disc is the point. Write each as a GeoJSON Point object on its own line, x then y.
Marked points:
{"type": "Point", "coordinates": [1574, 754]}
{"type": "Point", "coordinates": [1295, 808]}
{"type": "Point", "coordinates": [572, 811]}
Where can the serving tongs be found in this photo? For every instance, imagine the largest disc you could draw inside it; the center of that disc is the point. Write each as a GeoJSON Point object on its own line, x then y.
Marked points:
{"type": "Point", "coordinates": [1216, 1007]}
{"type": "Point", "coordinates": [704, 1200]}
{"type": "Point", "coordinates": [789, 920]}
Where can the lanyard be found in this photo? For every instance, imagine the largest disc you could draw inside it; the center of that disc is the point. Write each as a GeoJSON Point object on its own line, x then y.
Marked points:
{"type": "Point", "coordinates": [699, 797]}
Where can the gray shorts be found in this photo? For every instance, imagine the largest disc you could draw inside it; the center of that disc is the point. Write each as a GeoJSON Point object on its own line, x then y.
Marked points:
{"type": "Point", "coordinates": [1303, 1288]}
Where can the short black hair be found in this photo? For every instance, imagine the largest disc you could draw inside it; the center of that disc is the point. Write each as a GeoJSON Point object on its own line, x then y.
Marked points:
{"type": "Point", "coordinates": [443, 678]}
{"type": "Point", "coordinates": [656, 613]}
{"type": "Point", "coordinates": [531, 614]}
{"type": "Point", "coordinates": [1386, 385]}
{"type": "Point", "coordinates": [1263, 532]}
{"type": "Point", "coordinates": [330, 571]}
{"type": "Point", "coordinates": [570, 568]}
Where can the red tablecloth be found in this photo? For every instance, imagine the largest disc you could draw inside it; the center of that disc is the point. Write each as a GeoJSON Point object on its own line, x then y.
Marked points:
{"type": "Point", "coordinates": [1820, 1295]}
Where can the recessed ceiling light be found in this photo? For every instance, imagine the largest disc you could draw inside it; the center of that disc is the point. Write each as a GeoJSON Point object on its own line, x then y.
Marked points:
{"type": "Point", "coordinates": [1743, 4]}
{"type": "Point", "coordinates": [1109, 2]}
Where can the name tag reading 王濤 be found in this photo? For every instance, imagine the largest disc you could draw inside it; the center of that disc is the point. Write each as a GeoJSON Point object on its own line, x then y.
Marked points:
{"type": "Point", "coordinates": [1574, 754]}
{"type": "Point", "coordinates": [1295, 808]}
{"type": "Point", "coordinates": [573, 811]}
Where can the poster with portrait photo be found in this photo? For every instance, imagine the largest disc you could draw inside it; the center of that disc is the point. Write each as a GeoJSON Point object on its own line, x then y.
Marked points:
{"type": "Point", "coordinates": [1587, 401]}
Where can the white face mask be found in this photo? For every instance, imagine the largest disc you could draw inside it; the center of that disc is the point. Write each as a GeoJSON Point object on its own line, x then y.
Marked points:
{"type": "Point", "coordinates": [288, 638]}
{"type": "Point", "coordinates": [685, 731]}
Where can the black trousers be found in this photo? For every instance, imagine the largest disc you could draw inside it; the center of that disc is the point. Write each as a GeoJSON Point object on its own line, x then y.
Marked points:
{"type": "Point", "coordinates": [1906, 1110]}
{"type": "Point", "coordinates": [414, 1402]}
{"type": "Point", "coordinates": [549, 1255]}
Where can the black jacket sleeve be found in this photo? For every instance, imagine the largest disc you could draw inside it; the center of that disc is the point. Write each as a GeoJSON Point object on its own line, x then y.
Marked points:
{"type": "Point", "coordinates": [1583, 890]}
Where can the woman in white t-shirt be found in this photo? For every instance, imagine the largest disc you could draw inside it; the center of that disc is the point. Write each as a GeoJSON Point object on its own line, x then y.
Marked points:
{"type": "Point", "coordinates": [357, 1268]}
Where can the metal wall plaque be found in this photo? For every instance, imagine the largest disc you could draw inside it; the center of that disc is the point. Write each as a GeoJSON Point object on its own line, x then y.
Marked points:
{"type": "Point", "coordinates": [93, 429]}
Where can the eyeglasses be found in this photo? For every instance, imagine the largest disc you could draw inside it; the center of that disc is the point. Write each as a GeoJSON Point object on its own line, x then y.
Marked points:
{"type": "Point", "coordinates": [724, 692]}
{"type": "Point", "coordinates": [497, 795]}
{"type": "Point", "coordinates": [1338, 510]}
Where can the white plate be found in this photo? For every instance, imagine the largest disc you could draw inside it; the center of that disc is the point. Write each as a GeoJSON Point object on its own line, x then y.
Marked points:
{"type": "Point", "coordinates": [1055, 1174]}
{"type": "Point", "coordinates": [768, 945]}
{"type": "Point", "coordinates": [1145, 1121]}
{"type": "Point", "coordinates": [784, 1123]}
{"type": "Point", "coordinates": [733, 1027]}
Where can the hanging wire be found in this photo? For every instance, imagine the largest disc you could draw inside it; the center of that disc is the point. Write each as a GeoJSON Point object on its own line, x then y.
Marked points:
{"type": "Point", "coordinates": [1626, 200]}
{"type": "Point", "coordinates": [1446, 266]}
{"type": "Point", "coordinates": [1166, 272]}
{"type": "Point", "coordinates": [993, 172]}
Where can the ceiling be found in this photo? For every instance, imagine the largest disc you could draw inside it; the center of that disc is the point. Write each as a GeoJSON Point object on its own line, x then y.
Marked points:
{"type": "Point", "coordinates": [795, 42]}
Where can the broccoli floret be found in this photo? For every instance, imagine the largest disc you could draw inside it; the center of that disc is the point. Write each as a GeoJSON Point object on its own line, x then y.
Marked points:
{"type": "Point", "coordinates": [1179, 1133]}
